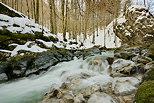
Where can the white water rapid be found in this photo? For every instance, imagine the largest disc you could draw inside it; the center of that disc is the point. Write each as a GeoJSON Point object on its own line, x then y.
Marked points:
{"type": "Point", "coordinates": [31, 90]}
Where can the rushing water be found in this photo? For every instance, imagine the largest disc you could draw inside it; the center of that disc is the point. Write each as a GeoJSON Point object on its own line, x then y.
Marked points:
{"type": "Point", "coordinates": [31, 90]}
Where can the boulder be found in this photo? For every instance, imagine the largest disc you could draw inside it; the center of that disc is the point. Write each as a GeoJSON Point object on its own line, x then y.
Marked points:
{"type": "Point", "coordinates": [41, 62]}
{"type": "Point", "coordinates": [3, 77]}
{"type": "Point", "coordinates": [125, 85]}
{"type": "Point", "coordinates": [141, 68]}
{"type": "Point", "coordinates": [122, 67]}
{"type": "Point", "coordinates": [149, 66]}
{"type": "Point", "coordinates": [87, 52]}
{"type": "Point", "coordinates": [141, 59]}
{"type": "Point", "coordinates": [89, 90]}
{"type": "Point", "coordinates": [127, 55]}
{"type": "Point", "coordinates": [124, 88]}
{"type": "Point", "coordinates": [126, 99]}
{"type": "Point", "coordinates": [6, 68]}
{"type": "Point", "coordinates": [101, 98]}
{"type": "Point", "coordinates": [135, 26]}
{"type": "Point", "coordinates": [21, 64]}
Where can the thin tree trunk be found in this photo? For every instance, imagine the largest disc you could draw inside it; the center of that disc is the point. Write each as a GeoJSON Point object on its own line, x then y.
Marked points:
{"type": "Point", "coordinates": [51, 17]}
{"type": "Point", "coordinates": [37, 11]}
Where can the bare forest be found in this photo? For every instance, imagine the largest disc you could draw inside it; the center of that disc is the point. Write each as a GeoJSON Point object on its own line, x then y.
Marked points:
{"type": "Point", "coordinates": [72, 16]}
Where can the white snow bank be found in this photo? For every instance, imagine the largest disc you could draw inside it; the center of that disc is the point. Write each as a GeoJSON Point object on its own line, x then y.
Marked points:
{"type": "Point", "coordinates": [22, 25]}
{"type": "Point", "coordinates": [29, 46]}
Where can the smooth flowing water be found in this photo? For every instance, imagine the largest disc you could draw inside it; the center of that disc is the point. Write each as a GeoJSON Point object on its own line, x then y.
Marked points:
{"type": "Point", "coordinates": [31, 90]}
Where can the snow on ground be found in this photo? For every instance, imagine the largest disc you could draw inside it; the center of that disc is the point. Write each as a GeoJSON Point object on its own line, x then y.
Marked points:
{"type": "Point", "coordinates": [111, 41]}
{"type": "Point", "coordinates": [22, 25]}
{"type": "Point", "coordinates": [33, 48]}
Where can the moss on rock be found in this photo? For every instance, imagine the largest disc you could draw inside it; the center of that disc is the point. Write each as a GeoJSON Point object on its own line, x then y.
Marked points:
{"type": "Point", "coordinates": [150, 76]}
{"type": "Point", "coordinates": [145, 93]}
{"type": "Point", "coordinates": [151, 52]}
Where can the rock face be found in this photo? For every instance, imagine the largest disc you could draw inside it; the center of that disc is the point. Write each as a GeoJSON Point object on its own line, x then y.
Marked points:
{"type": "Point", "coordinates": [135, 27]}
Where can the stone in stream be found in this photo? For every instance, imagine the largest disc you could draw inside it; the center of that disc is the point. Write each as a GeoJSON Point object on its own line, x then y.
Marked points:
{"type": "Point", "coordinates": [124, 88]}
{"type": "Point", "coordinates": [97, 64]}
{"type": "Point", "coordinates": [3, 77]}
{"type": "Point", "coordinates": [149, 66]}
{"type": "Point", "coordinates": [141, 68]}
{"type": "Point", "coordinates": [121, 67]}
{"type": "Point", "coordinates": [141, 59]}
{"type": "Point", "coordinates": [125, 55]}
{"type": "Point", "coordinates": [101, 98]}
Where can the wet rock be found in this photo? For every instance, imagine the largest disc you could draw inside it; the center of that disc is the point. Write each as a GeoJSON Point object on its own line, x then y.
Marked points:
{"type": "Point", "coordinates": [89, 90]}
{"type": "Point", "coordinates": [124, 88]}
{"type": "Point", "coordinates": [107, 88]}
{"type": "Point", "coordinates": [141, 59]}
{"type": "Point", "coordinates": [141, 68]}
{"type": "Point", "coordinates": [97, 63]}
{"type": "Point", "coordinates": [125, 85]}
{"type": "Point", "coordinates": [79, 99]}
{"type": "Point", "coordinates": [110, 59]}
{"type": "Point", "coordinates": [101, 98]}
{"type": "Point", "coordinates": [67, 98]}
{"type": "Point", "coordinates": [127, 55]}
{"type": "Point", "coordinates": [122, 67]}
{"type": "Point", "coordinates": [21, 64]}
{"type": "Point", "coordinates": [45, 60]}
{"type": "Point", "coordinates": [149, 66]}
{"type": "Point", "coordinates": [6, 68]}
{"type": "Point", "coordinates": [87, 52]}
{"type": "Point", "coordinates": [3, 77]}
{"type": "Point", "coordinates": [126, 99]}
{"type": "Point", "coordinates": [42, 62]}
